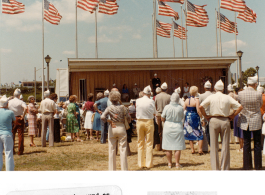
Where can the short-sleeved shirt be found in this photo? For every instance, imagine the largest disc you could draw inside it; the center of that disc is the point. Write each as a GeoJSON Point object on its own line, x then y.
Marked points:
{"type": "Point", "coordinates": [89, 106]}
{"type": "Point", "coordinates": [6, 118]}
{"type": "Point", "coordinates": [47, 106]}
{"type": "Point", "coordinates": [220, 104]}
{"type": "Point", "coordinates": [145, 108]}
{"type": "Point", "coordinates": [17, 106]}
{"type": "Point", "coordinates": [125, 90]}
{"type": "Point", "coordinates": [103, 103]}
{"type": "Point", "coordinates": [161, 100]}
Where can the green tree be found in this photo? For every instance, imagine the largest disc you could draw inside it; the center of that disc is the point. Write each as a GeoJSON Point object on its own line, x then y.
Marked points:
{"type": "Point", "coordinates": [250, 72]}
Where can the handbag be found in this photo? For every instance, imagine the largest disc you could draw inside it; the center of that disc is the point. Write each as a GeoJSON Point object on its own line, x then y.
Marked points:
{"type": "Point", "coordinates": [84, 113]}
{"type": "Point", "coordinates": [92, 117]}
{"type": "Point", "coordinates": [127, 126]}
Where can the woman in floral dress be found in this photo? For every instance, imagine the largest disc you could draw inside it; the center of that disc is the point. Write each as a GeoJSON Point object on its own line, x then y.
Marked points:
{"type": "Point", "coordinates": [32, 120]}
{"type": "Point", "coordinates": [71, 119]}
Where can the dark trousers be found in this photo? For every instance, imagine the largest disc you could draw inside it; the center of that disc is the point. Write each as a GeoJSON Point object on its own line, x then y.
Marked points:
{"type": "Point", "coordinates": [57, 137]}
{"type": "Point", "coordinates": [247, 157]}
{"type": "Point", "coordinates": [18, 127]}
{"type": "Point", "coordinates": [104, 132]}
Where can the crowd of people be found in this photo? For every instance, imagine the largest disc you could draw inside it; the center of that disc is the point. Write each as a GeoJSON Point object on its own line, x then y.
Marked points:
{"type": "Point", "coordinates": [163, 121]}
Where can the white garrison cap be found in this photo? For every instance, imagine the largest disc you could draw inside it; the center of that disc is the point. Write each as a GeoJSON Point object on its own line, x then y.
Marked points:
{"type": "Point", "coordinates": [106, 92]}
{"type": "Point", "coordinates": [252, 80]}
{"type": "Point", "coordinates": [114, 84]}
{"type": "Point", "coordinates": [147, 90]}
{"type": "Point", "coordinates": [260, 89]}
{"type": "Point", "coordinates": [135, 84]}
{"type": "Point", "coordinates": [219, 85]}
{"type": "Point", "coordinates": [158, 90]}
{"type": "Point", "coordinates": [155, 74]}
{"type": "Point", "coordinates": [207, 85]}
{"type": "Point", "coordinates": [132, 100]}
{"type": "Point", "coordinates": [230, 88]}
{"type": "Point", "coordinates": [3, 101]}
{"type": "Point", "coordinates": [234, 85]}
{"type": "Point", "coordinates": [17, 92]}
{"type": "Point", "coordinates": [178, 90]}
{"type": "Point", "coordinates": [21, 97]}
{"type": "Point", "coordinates": [47, 92]}
{"type": "Point", "coordinates": [164, 85]}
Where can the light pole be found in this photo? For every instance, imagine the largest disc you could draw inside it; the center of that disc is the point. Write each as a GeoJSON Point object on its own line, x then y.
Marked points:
{"type": "Point", "coordinates": [257, 68]}
{"type": "Point", "coordinates": [48, 59]}
{"type": "Point", "coordinates": [239, 54]}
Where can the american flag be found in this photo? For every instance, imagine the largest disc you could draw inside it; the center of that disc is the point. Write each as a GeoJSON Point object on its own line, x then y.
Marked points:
{"type": "Point", "coordinates": [248, 16]}
{"type": "Point", "coordinates": [234, 5]}
{"type": "Point", "coordinates": [196, 15]}
{"type": "Point", "coordinates": [163, 29]}
{"type": "Point", "coordinates": [109, 7]}
{"type": "Point", "coordinates": [177, 31]}
{"type": "Point", "coordinates": [226, 25]}
{"type": "Point", "coordinates": [173, 1]}
{"type": "Point", "coordinates": [88, 5]}
{"type": "Point", "coordinates": [12, 7]}
{"type": "Point", "coordinates": [51, 13]}
{"type": "Point", "coordinates": [166, 10]}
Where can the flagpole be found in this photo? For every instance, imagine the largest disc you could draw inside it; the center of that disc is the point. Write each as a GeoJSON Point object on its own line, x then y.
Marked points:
{"type": "Point", "coordinates": [76, 47]}
{"type": "Point", "coordinates": [42, 90]}
{"type": "Point", "coordinates": [236, 51]}
{"type": "Point", "coordinates": [186, 28]}
{"type": "Point", "coordinates": [96, 27]}
{"type": "Point", "coordinates": [182, 32]}
{"type": "Point", "coordinates": [155, 29]}
{"type": "Point", "coordinates": [173, 37]}
{"type": "Point", "coordinates": [153, 35]}
{"type": "Point", "coordinates": [220, 28]}
{"type": "Point", "coordinates": [216, 33]}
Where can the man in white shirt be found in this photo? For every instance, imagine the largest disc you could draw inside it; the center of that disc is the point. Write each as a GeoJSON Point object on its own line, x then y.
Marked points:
{"type": "Point", "coordinates": [145, 112]}
{"type": "Point", "coordinates": [219, 115]}
{"type": "Point", "coordinates": [48, 109]}
{"type": "Point", "coordinates": [19, 108]}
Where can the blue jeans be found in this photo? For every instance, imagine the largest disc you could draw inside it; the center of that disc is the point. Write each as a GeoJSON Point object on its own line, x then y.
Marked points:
{"type": "Point", "coordinates": [6, 144]}
{"type": "Point", "coordinates": [104, 131]}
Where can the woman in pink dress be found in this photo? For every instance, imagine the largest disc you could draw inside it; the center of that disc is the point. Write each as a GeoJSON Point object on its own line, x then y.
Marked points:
{"type": "Point", "coordinates": [32, 119]}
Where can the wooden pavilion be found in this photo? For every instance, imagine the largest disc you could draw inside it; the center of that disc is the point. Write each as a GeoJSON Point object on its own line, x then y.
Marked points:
{"type": "Point", "coordinates": [94, 75]}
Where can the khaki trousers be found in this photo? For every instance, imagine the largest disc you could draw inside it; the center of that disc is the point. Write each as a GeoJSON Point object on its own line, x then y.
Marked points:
{"type": "Point", "coordinates": [47, 119]}
{"type": "Point", "coordinates": [117, 135]}
{"type": "Point", "coordinates": [220, 125]}
{"type": "Point", "coordinates": [145, 131]}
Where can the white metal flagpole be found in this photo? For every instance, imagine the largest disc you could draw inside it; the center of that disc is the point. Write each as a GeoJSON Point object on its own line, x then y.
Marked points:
{"type": "Point", "coordinates": [76, 46]}
{"type": "Point", "coordinates": [155, 29]}
{"type": "Point", "coordinates": [216, 33]}
{"type": "Point", "coordinates": [153, 35]}
{"type": "Point", "coordinates": [236, 52]}
{"type": "Point", "coordinates": [42, 50]}
{"type": "Point", "coordinates": [186, 14]}
{"type": "Point", "coordinates": [96, 27]}
{"type": "Point", "coordinates": [220, 28]}
{"type": "Point", "coordinates": [182, 31]}
{"type": "Point", "coordinates": [173, 37]}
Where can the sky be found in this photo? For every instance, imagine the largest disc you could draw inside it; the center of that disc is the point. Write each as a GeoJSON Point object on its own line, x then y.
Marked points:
{"type": "Point", "coordinates": [127, 34]}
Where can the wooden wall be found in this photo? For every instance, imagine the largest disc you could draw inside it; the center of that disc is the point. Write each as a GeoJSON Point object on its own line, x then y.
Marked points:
{"type": "Point", "coordinates": [105, 79]}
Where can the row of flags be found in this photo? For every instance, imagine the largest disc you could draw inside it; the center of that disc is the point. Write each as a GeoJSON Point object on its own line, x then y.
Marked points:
{"type": "Point", "coordinates": [52, 15]}
{"type": "Point", "coordinates": [197, 16]}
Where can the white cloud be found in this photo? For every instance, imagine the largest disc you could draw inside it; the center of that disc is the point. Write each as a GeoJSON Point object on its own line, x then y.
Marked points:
{"type": "Point", "coordinates": [231, 44]}
{"type": "Point", "coordinates": [104, 39]}
{"type": "Point", "coordinates": [136, 36]}
{"type": "Point", "coordinates": [69, 52]}
{"type": "Point", "coordinates": [3, 50]}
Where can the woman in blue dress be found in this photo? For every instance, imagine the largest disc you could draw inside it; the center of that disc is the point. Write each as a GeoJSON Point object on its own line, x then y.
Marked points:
{"type": "Point", "coordinates": [97, 120]}
{"type": "Point", "coordinates": [192, 125]}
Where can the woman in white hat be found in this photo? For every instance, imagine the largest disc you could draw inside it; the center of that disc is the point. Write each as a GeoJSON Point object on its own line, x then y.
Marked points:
{"type": "Point", "coordinates": [6, 137]}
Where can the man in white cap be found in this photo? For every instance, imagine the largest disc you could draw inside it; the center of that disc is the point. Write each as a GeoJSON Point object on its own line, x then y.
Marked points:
{"type": "Point", "coordinates": [250, 120]}
{"type": "Point", "coordinates": [19, 108]}
{"type": "Point", "coordinates": [156, 82]}
{"type": "Point", "coordinates": [136, 91]}
{"type": "Point", "coordinates": [103, 105]}
{"type": "Point", "coordinates": [145, 112]}
{"type": "Point", "coordinates": [48, 110]}
{"type": "Point", "coordinates": [162, 99]}
{"type": "Point", "coordinates": [206, 135]}
{"type": "Point", "coordinates": [181, 101]}
{"type": "Point", "coordinates": [219, 118]}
